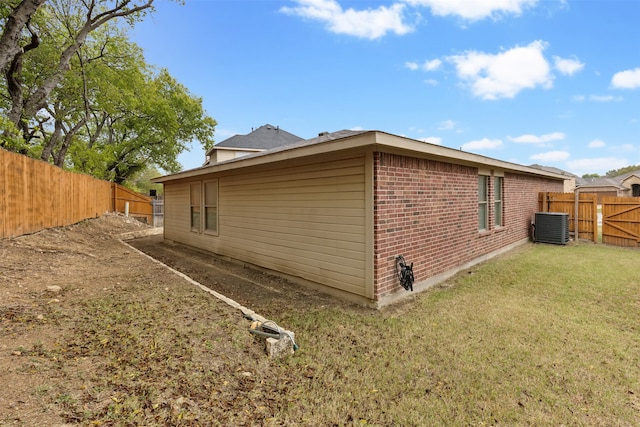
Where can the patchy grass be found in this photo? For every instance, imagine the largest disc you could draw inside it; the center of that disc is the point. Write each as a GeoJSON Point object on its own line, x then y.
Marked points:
{"type": "Point", "coordinates": [547, 335]}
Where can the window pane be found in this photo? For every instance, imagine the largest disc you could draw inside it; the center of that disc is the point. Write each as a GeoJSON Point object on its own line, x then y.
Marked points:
{"type": "Point", "coordinates": [482, 188]}
{"type": "Point", "coordinates": [211, 193]}
{"type": "Point", "coordinates": [498, 214]}
{"type": "Point", "coordinates": [482, 217]}
{"type": "Point", "coordinates": [195, 194]}
{"type": "Point", "coordinates": [498, 188]}
{"type": "Point", "coordinates": [498, 201]}
{"type": "Point", "coordinates": [483, 191]}
{"type": "Point", "coordinates": [195, 218]}
{"type": "Point", "coordinates": [211, 219]}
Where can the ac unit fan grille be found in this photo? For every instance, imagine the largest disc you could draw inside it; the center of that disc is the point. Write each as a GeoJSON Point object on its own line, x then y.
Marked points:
{"type": "Point", "coordinates": [552, 227]}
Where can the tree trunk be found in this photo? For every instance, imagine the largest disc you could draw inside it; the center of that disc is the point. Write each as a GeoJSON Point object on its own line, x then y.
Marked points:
{"type": "Point", "coordinates": [10, 40]}
{"type": "Point", "coordinates": [66, 143]}
{"type": "Point", "coordinates": [47, 151]}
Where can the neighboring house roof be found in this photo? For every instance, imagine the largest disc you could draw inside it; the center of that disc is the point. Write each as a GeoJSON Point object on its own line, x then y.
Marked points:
{"type": "Point", "coordinates": [263, 138]}
{"type": "Point", "coordinates": [327, 142]}
{"type": "Point", "coordinates": [626, 176]}
{"type": "Point", "coordinates": [599, 182]}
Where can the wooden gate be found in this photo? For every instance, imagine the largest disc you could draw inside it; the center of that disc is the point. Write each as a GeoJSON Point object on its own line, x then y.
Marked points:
{"type": "Point", "coordinates": [587, 205]}
{"type": "Point", "coordinates": [621, 221]}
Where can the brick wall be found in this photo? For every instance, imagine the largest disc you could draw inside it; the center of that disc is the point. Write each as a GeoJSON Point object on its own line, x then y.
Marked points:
{"type": "Point", "coordinates": [427, 211]}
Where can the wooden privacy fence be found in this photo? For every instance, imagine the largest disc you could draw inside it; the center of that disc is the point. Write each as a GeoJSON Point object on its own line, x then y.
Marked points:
{"type": "Point", "coordinates": [35, 195]}
{"type": "Point", "coordinates": [587, 207]}
{"type": "Point", "coordinates": [621, 221]}
{"type": "Point", "coordinates": [139, 205]}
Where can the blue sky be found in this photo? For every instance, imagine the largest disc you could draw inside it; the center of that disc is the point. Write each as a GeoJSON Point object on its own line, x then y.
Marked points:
{"type": "Point", "coordinates": [551, 82]}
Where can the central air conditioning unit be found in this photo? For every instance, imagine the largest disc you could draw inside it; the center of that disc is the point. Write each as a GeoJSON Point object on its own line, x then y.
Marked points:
{"type": "Point", "coordinates": [551, 227]}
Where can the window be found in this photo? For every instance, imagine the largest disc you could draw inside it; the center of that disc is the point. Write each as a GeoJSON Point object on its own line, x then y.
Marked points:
{"type": "Point", "coordinates": [497, 200]}
{"type": "Point", "coordinates": [483, 198]}
{"type": "Point", "coordinates": [194, 200]}
{"type": "Point", "coordinates": [211, 206]}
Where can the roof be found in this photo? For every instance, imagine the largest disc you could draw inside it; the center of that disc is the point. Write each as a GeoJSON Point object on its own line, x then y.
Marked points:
{"type": "Point", "coordinates": [553, 169]}
{"type": "Point", "coordinates": [343, 140]}
{"type": "Point", "coordinates": [624, 177]}
{"type": "Point", "coordinates": [599, 182]}
{"type": "Point", "coordinates": [265, 137]}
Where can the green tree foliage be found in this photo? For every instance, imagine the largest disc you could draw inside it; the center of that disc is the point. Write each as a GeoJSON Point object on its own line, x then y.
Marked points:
{"type": "Point", "coordinates": [110, 114]}
{"type": "Point", "coordinates": [141, 182]}
{"type": "Point", "coordinates": [622, 171]}
{"type": "Point", "coordinates": [591, 175]}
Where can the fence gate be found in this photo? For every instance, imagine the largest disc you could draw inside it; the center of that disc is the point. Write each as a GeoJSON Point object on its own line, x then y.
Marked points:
{"type": "Point", "coordinates": [621, 221]}
{"type": "Point", "coordinates": [566, 203]}
{"type": "Point", "coordinates": [158, 212]}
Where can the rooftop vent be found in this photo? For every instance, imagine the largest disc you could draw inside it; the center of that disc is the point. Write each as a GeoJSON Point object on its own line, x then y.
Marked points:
{"type": "Point", "coordinates": [325, 133]}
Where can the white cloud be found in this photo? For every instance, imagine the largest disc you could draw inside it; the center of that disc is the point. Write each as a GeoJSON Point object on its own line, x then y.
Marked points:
{"type": "Point", "coordinates": [567, 66]}
{"type": "Point", "coordinates": [411, 65]}
{"type": "Point", "coordinates": [596, 165]}
{"type": "Point", "coordinates": [628, 79]}
{"type": "Point", "coordinates": [432, 140]}
{"type": "Point", "coordinates": [474, 10]}
{"type": "Point", "coordinates": [625, 147]}
{"type": "Point", "coordinates": [482, 144]}
{"type": "Point", "coordinates": [368, 24]}
{"type": "Point", "coordinates": [541, 139]}
{"type": "Point", "coordinates": [505, 74]}
{"type": "Point", "coordinates": [604, 98]}
{"type": "Point", "coordinates": [431, 65]}
{"type": "Point", "coordinates": [447, 125]}
{"type": "Point", "coordinates": [431, 82]}
{"type": "Point", "coordinates": [596, 143]}
{"type": "Point", "coordinates": [550, 156]}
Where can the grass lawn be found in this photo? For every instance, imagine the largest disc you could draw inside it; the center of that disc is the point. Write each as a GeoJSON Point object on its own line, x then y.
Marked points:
{"type": "Point", "coordinates": [546, 335]}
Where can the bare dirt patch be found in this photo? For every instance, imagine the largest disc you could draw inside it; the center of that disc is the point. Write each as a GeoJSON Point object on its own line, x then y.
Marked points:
{"type": "Point", "coordinates": [94, 333]}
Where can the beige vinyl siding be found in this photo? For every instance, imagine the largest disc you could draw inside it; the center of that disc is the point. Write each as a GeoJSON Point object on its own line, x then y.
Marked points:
{"type": "Point", "coordinates": [177, 212]}
{"type": "Point", "coordinates": [306, 220]}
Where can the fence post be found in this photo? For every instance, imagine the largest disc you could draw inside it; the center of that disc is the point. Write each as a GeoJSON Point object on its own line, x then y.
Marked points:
{"type": "Point", "coordinates": [576, 226]}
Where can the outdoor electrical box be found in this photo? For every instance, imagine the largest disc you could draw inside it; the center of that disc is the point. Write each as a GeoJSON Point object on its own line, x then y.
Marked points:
{"type": "Point", "coordinates": [551, 227]}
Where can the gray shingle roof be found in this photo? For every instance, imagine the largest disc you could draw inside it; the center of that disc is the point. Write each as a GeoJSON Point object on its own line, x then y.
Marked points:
{"type": "Point", "coordinates": [599, 182]}
{"type": "Point", "coordinates": [265, 138]}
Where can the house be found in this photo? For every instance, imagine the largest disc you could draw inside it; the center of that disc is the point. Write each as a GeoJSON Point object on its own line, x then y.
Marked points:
{"type": "Point", "coordinates": [263, 138]}
{"type": "Point", "coordinates": [627, 185]}
{"type": "Point", "coordinates": [631, 181]}
{"type": "Point", "coordinates": [335, 211]}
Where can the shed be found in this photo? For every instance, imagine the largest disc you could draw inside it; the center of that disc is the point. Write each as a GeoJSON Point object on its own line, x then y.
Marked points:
{"type": "Point", "coordinates": [335, 211]}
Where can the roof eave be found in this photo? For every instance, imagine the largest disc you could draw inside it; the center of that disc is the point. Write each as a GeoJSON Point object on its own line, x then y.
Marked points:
{"type": "Point", "coordinates": [377, 140]}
